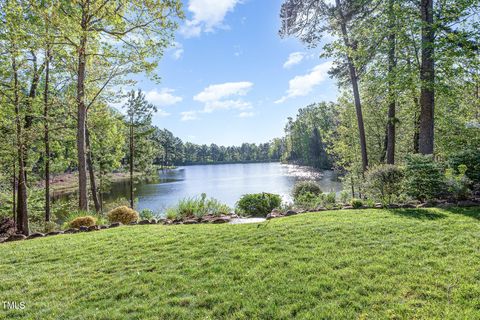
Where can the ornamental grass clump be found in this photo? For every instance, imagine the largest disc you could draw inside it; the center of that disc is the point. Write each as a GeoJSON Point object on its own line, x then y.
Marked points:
{"type": "Point", "coordinates": [86, 221]}
{"type": "Point", "coordinates": [123, 214]}
{"type": "Point", "coordinates": [197, 207]}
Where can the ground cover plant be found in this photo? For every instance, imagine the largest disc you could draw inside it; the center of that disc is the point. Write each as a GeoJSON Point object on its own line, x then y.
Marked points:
{"type": "Point", "coordinates": [351, 264]}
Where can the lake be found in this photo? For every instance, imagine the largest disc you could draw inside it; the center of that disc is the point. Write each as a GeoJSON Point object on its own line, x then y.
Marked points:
{"type": "Point", "coordinates": [225, 182]}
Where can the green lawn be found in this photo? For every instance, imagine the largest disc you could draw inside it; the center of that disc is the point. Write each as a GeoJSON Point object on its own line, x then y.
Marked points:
{"type": "Point", "coordinates": [370, 264]}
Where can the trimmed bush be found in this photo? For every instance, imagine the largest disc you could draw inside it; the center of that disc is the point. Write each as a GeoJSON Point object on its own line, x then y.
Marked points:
{"type": "Point", "coordinates": [356, 203]}
{"type": "Point", "coordinates": [258, 204]}
{"type": "Point", "coordinates": [123, 214]}
{"type": "Point", "coordinates": [423, 177]}
{"type": "Point", "coordinates": [86, 221]}
{"type": "Point", "coordinates": [303, 187]}
{"type": "Point", "coordinates": [384, 182]}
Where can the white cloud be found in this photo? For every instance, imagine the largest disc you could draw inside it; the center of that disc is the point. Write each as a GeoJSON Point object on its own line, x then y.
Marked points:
{"type": "Point", "coordinates": [304, 84]}
{"type": "Point", "coordinates": [177, 54]}
{"type": "Point", "coordinates": [207, 15]}
{"type": "Point", "coordinates": [293, 59]}
{"type": "Point", "coordinates": [188, 115]}
{"type": "Point", "coordinates": [162, 113]}
{"type": "Point", "coordinates": [246, 114]}
{"type": "Point", "coordinates": [162, 98]}
{"type": "Point", "coordinates": [223, 96]}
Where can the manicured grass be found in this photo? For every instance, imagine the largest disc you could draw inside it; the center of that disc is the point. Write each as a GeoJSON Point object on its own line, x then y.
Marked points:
{"type": "Point", "coordinates": [370, 264]}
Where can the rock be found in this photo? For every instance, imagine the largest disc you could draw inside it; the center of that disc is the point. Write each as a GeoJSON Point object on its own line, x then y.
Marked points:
{"type": "Point", "coordinates": [347, 207]}
{"type": "Point", "coordinates": [190, 221]}
{"type": "Point", "coordinates": [408, 206]}
{"type": "Point", "coordinates": [83, 229]}
{"type": "Point", "coordinates": [93, 228]}
{"type": "Point", "coordinates": [466, 203]}
{"type": "Point", "coordinates": [319, 209]}
{"type": "Point", "coordinates": [143, 222]}
{"type": "Point", "coordinates": [153, 221]}
{"type": "Point", "coordinates": [35, 235]}
{"type": "Point", "coordinates": [422, 205]}
{"type": "Point", "coordinates": [71, 230]}
{"type": "Point", "coordinates": [273, 215]}
{"type": "Point", "coordinates": [167, 222]}
{"type": "Point", "coordinates": [378, 206]}
{"type": "Point", "coordinates": [134, 223]}
{"type": "Point", "coordinates": [16, 237]}
{"type": "Point", "coordinates": [393, 206]}
{"type": "Point", "coordinates": [291, 213]}
{"type": "Point", "coordinates": [115, 224]}
{"type": "Point", "coordinates": [220, 220]}
{"type": "Point", "coordinates": [277, 211]}
{"type": "Point", "coordinates": [102, 227]}
{"type": "Point", "coordinates": [54, 233]}
{"type": "Point", "coordinates": [446, 205]}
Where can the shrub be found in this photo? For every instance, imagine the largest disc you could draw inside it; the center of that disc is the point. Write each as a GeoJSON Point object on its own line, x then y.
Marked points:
{"type": "Point", "coordinates": [123, 214]}
{"type": "Point", "coordinates": [258, 204]}
{"type": "Point", "coordinates": [308, 200]}
{"type": "Point", "coordinates": [384, 182]}
{"type": "Point", "coordinates": [344, 196]}
{"type": "Point", "coordinates": [469, 158]}
{"type": "Point", "coordinates": [458, 184]}
{"type": "Point", "coordinates": [356, 203]}
{"type": "Point", "coordinates": [146, 214]}
{"type": "Point", "coordinates": [198, 207]}
{"type": "Point", "coordinates": [302, 187]}
{"type": "Point", "coordinates": [86, 221]}
{"type": "Point", "coordinates": [7, 227]}
{"type": "Point", "coordinates": [423, 177]}
{"type": "Point", "coordinates": [331, 198]}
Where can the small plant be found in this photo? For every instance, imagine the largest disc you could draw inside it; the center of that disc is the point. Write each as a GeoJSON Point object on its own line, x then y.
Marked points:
{"type": "Point", "coordinates": [471, 160]}
{"type": "Point", "coordinates": [123, 214]}
{"type": "Point", "coordinates": [258, 204]}
{"type": "Point", "coordinates": [384, 182]}
{"type": "Point", "coordinates": [86, 221]}
{"type": "Point", "coordinates": [458, 184]}
{"type": "Point", "coordinates": [344, 196]}
{"type": "Point", "coordinates": [146, 214]}
{"type": "Point", "coordinates": [423, 177]}
{"type": "Point", "coordinates": [197, 207]}
{"type": "Point", "coordinates": [356, 203]}
{"type": "Point", "coordinates": [304, 187]}
{"type": "Point", "coordinates": [331, 198]}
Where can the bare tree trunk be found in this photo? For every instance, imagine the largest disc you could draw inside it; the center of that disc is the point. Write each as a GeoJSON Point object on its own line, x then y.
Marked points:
{"type": "Point", "coordinates": [14, 191]}
{"type": "Point", "coordinates": [22, 201]}
{"type": "Point", "coordinates": [81, 122]}
{"type": "Point", "coordinates": [427, 78]}
{"type": "Point", "coordinates": [91, 171]}
{"type": "Point", "coordinates": [46, 134]}
{"type": "Point", "coordinates": [132, 154]}
{"type": "Point", "coordinates": [392, 64]}
{"type": "Point", "coordinates": [356, 92]}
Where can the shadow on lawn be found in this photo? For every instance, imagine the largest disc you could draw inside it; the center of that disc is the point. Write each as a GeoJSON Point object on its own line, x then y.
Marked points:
{"type": "Point", "coordinates": [472, 212]}
{"type": "Point", "coordinates": [421, 214]}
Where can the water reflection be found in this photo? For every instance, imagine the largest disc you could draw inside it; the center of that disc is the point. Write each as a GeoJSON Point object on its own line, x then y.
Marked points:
{"type": "Point", "coordinates": [226, 182]}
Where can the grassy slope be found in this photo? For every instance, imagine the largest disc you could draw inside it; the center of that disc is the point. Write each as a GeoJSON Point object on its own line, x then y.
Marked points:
{"type": "Point", "coordinates": [342, 264]}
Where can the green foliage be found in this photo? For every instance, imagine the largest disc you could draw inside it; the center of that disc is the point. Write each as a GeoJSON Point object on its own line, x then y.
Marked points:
{"type": "Point", "coordinates": [423, 178]}
{"type": "Point", "coordinates": [331, 198]}
{"type": "Point", "coordinates": [458, 184]}
{"type": "Point", "coordinates": [86, 221]}
{"type": "Point", "coordinates": [258, 204]}
{"type": "Point", "coordinates": [356, 203]}
{"type": "Point", "coordinates": [384, 182]}
{"type": "Point", "coordinates": [197, 207]}
{"type": "Point", "coordinates": [123, 214]}
{"type": "Point", "coordinates": [345, 196]}
{"type": "Point", "coordinates": [303, 187]}
{"type": "Point", "coordinates": [470, 159]}
{"type": "Point", "coordinates": [146, 214]}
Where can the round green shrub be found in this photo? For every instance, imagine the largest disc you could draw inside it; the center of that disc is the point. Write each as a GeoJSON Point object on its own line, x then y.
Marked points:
{"type": "Point", "coordinates": [302, 187]}
{"type": "Point", "coordinates": [424, 179]}
{"type": "Point", "coordinates": [123, 214]}
{"type": "Point", "coordinates": [356, 203]}
{"type": "Point", "coordinates": [384, 182]}
{"type": "Point", "coordinates": [258, 204]}
{"type": "Point", "coordinates": [86, 221]}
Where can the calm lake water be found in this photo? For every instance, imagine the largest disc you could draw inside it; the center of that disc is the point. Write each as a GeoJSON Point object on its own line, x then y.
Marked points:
{"type": "Point", "coordinates": [225, 182]}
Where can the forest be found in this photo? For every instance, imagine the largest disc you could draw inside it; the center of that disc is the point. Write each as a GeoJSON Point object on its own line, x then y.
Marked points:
{"type": "Point", "coordinates": [408, 73]}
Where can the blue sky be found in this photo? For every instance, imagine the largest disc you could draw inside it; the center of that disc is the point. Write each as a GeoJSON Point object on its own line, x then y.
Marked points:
{"type": "Point", "coordinates": [230, 78]}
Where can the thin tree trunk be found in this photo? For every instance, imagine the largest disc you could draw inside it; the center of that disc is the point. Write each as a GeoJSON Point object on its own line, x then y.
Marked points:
{"type": "Point", "coordinates": [356, 92]}
{"type": "Point", "coordinates": [91, 171]}
{"type": "Point", "coordinates": [81, 122]}
{"type": "Point", "coordinates": [427, 78]}
{"type": "Point", "coordinates": [22, 201]}
{"type": "Point", "coordinates": [392, 64]}
{"type": "Point", "coordinates": [14, 191]}
{"type": "Point", "coordinates": [132, 154]}
{"type": "Point", "coordinates": [46, 134]}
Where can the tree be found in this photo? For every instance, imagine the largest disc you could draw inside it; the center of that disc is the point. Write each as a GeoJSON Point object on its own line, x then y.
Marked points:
{"type": "Point", "coordinates": [139, 116]}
